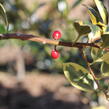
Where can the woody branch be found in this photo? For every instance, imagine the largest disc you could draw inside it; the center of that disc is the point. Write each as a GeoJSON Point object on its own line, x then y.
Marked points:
{"type": "Point", "coordinates": [45, 40]}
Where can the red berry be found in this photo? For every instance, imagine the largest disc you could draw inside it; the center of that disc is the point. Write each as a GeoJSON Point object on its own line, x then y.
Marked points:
{"type": "Point", "coordinates": [56, 35]}
{"type": "Point", "coordinates": [55, 54]}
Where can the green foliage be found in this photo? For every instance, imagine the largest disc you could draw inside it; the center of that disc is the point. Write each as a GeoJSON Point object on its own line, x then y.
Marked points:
{"type": "Point", "coordinates": [105, 69]}
{"type": "Point", "coordinates": [104, 58]}
{"type": "Point", "coordinates": [4, 15]}
{"type": "Point", "coordinates": [78, 76]}
{"type": "Point", "coordinates": [105, 38]}
{"type": "Point", "coordinates": [97, 30]}
{"type": "Point", "coordinates": [96, 53]}
{"type": "Point", "coordinates": [102, 10]}
{"type": "Point", "coordinates": [81, 28]}
{"type": "Point", "coordinates": [94, 16]}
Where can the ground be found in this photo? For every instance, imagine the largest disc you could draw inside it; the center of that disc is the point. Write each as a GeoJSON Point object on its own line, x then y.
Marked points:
{"type": "Point", "coordinates": [39, 91]}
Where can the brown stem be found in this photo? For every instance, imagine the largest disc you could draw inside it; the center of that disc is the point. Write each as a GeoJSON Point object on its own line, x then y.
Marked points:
{"type": "Point", "coordinates": [92, 73]}
{"type": "Point", "coordinates": [45, 40]}
{"type": "Point", "coordinates": [90, 69]}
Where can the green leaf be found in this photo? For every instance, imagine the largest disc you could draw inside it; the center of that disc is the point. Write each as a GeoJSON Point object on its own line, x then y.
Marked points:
{"type": "Point", "coordinates": [96, 53]}
{"type": "Point", "coordinates": [95, 33]}
{"type": "Point", "coordinates": [78, 76]}
{"type": "Point", "coordinates": [102, 10]}
{"type": "Point", "coordinates": [81, 28]}
{"type": "Point", "coordinates": [103, 75]}
{"type": "Point", "coordinates": [105, 38]}
{"type": "Point", "coordinates": [104, 58]}
{"type": "Point", "coordinates": [2, 29]}
{"type": "Point", "coordinates": [4, 15]}
{"type": "Point", "coordinates": [103, 71]}
{"type": "Point", "coordinates": [94, 16]}
{"type": "Point", "coordinates": [105, 68]}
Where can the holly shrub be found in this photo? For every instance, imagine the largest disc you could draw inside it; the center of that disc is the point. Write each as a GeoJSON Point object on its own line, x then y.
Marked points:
{"type": "Point", "coordinates": [85, 78]}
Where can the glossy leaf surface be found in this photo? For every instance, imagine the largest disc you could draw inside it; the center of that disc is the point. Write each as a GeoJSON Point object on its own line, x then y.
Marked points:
{"type": "Point", "coordinates": [78, 76]}
{"type": "Point", "coordinates": [4, 15]}
{"type": "Point", "coordinates": [104, 58]}
{"type": "Point", "coordinates": [94, 16]}
{"type": "Point", "coordinates": [81, 28]}
{"type": "Point", "coordinates": [102, 10]}
{"type": "Point", "coordinates": [105, 38]}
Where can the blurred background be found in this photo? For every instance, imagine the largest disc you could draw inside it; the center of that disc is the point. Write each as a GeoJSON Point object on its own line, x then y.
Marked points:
{"type": "Point", "coordinates": [29, 77]}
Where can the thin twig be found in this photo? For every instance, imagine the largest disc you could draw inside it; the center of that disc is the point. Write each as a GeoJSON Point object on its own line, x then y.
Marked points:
{"type": "Point", "coordinates": [90, 69]}
{"type": "Point", "coordinates": [92, 73]}
{"type": "Point", "coordinates": [45, 40]}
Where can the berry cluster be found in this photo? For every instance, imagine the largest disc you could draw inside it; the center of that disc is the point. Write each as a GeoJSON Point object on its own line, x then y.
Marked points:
{"type": "Point", "coordinates": [55, 35]}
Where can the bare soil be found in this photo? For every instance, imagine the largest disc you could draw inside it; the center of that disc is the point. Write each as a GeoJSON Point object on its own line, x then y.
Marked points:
{"type": "Point", "coordinates": [39, 91]}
